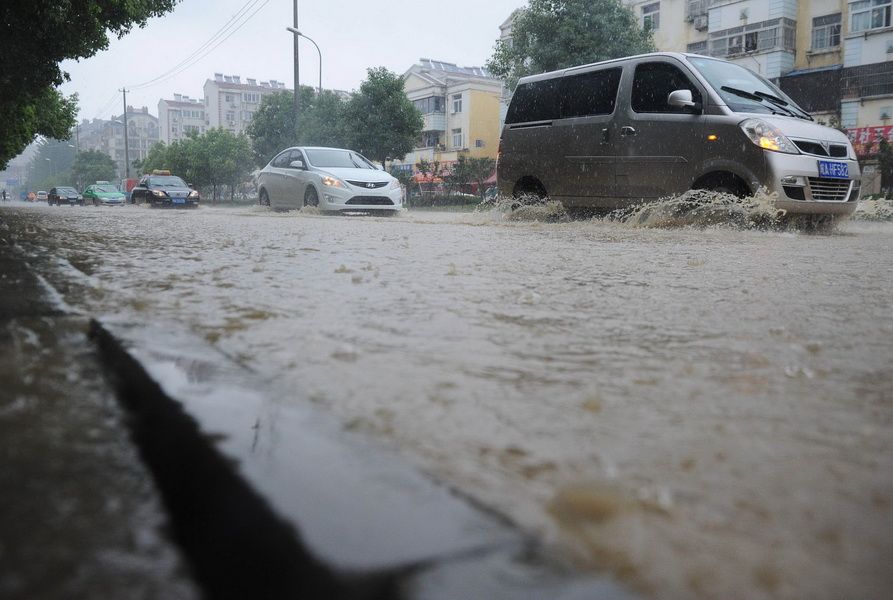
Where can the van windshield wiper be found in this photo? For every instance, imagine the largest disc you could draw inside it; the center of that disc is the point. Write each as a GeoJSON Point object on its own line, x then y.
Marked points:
{"type": "Point", "coordinates": [760, 99]}
{"type": "Point", "coordinates": [796, 111]}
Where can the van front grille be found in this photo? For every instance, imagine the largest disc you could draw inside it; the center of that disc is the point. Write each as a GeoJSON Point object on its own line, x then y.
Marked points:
{"type": "Point", "coordinates": [829, 190]}
{"type": "Point", "coordinates": [817, 149]}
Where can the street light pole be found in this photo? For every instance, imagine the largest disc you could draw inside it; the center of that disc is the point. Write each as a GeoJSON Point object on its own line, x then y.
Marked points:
{"type": "Point", "coordinates": [299, 34]}
{"type": "Point", "coordinates": [297, 77]}
{"type": "Point", "coordinates": [126, 145]}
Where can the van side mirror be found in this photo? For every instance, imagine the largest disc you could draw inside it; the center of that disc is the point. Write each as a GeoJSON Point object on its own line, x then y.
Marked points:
{"type": "Point", "coordinates": [296, 164]}
{"type": "Point", "coordinates": [682, 99]}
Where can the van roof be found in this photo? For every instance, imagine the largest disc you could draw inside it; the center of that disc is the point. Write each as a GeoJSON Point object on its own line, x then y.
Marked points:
{"type": "Point", "coordinates": [562, 72]}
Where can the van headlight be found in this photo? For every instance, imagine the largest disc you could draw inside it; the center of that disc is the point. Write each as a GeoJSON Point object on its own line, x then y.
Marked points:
{"type": "Point", "coordinates": [768, 136]}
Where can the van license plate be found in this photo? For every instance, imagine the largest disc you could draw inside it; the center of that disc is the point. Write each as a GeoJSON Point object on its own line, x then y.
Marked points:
{"type": "Point", "coordinates": [834, 170]}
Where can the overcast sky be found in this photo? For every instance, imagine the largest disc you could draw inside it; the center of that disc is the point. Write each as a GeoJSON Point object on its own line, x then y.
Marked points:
{"type": "Point", "coordinates": [353, 35]}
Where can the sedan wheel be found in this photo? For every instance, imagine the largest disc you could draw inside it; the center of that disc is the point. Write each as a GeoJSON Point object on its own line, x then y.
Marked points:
{"type": "Point", "coordinates": [264, 198]}
{"type": "Point", "coordinates": [310, 197]}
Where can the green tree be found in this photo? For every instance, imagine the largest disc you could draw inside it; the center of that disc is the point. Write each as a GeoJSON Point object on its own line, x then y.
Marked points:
{"type": "Point", "coordinates": [51, 165]}
{"type": "Point", "coordinates": [273, 127]}
{"type": "Point", "coordinates": [380, 122]}
{"type": "Point", "coordinates": [228, 158]}
{"type": "Point", "coordinates": [469, 170]}
{"type": "Point", "coordinates": [217, 159]}
{"type": "Point", "coordinates": [885, 165]}
{"type": "Point", "coordinates": [322, 122]}
{"type": "Point", "coordinates": [91, 166]}
{"type": "Point", "coordinates": [555, 34]}
{"type": "Point", "coordinates": [37, 35]}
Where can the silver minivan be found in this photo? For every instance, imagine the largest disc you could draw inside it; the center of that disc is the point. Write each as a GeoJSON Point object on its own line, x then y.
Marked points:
{"type": "Point", "coordinates": [615, 133]}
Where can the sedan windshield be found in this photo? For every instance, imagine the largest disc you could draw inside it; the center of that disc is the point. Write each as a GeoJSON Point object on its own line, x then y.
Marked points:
{"type": "Point", "coordinates": [107, 189]}
{"type": "Point", "coordinates": [338, 158]}
{"type": "Point", "coordinates": [743, 90]}
{"type": "Point", "coordinates": [67, 191]}
{"type": "Point", "coordinates": [166, 181]}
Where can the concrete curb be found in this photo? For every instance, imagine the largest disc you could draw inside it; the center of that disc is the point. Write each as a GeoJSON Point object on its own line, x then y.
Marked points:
{"type": "Point", "coordinates": [269, 500]}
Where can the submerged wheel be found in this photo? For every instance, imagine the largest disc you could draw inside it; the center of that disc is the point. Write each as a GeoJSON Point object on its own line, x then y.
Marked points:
{"type": "Point", "coordinates": [311, 198]}
{"type": "Point", "coordinates": [264, 198]}
{"type": "Point", "coordinates": [528, 191]}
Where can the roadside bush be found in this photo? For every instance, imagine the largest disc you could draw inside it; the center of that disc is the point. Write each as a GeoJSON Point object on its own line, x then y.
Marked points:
{"type": "Point", "coordinates": [445, 200]}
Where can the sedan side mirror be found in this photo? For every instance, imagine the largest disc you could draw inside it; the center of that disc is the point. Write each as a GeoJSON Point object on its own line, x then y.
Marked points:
{"type": "Point", "coordinates": [682, 99]}
{"type": "Point", "coordinates": [296, 164]}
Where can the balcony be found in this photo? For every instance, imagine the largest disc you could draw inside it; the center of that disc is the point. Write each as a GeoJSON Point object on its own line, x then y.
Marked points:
{"type": "Point", "coordinates": [434, 122]}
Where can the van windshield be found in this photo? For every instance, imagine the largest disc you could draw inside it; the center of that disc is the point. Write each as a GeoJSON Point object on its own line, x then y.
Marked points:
{"type": "Point", "coordinates": [743, 90]}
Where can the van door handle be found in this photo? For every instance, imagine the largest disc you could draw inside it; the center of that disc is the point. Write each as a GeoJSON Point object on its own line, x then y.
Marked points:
{"type": "Point", "coordinates": [605, 135]}
{"type": "Point", "coordinates": [626, 131]}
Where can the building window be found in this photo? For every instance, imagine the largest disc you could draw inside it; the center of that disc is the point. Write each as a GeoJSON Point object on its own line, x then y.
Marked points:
{"type": "Point", "coordinates": [230, 117]}
{"type": "Point", "coordinates": [651, 17]}
{"type": "Point", "coordinates": [826, 32]}
{"type": "Point", "coordinates": [458, 142]}
{"type": "Point", "coordinates": [457, 103]}
{"type": "Point", "coordinates": [228, 98]}
{"type": "Point", "coordinates": [432, 104]}
{"type": "Point", "coordinates": [869, 14]}
{"type": "Point", "coordinates": [697, 47]}
{"type": "Point", "coordinates": [756, 37]}
{"type": "Point", "coordinates": [252, 97]}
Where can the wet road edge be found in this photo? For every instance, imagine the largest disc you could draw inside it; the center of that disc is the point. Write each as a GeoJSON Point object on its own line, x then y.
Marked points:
{"type": "Point", "coordinates": [241, 545]}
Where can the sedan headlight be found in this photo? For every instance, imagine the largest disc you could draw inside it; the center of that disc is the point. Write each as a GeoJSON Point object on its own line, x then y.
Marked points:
{"type": "Point", "coordinates": [159, 194]}
{"type": "Point", "coordinates": [767, 136]}
{"type": "Point", "coordinates": [193, 194]}
{"type": "Point", "coordinates": [395, 185]}
{"type": "Point", "coordinates": [330, 181]}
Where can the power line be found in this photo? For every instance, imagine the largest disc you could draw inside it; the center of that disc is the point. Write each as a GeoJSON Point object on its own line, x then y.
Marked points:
{"type": "Point", "coordinates": [233, 25]}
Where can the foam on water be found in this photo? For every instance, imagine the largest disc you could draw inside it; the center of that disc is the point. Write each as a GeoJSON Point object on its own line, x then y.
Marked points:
{"type": "Point", "coordinates": [876, 209]}
{"type": "Point", "coordinates": [692, 209]}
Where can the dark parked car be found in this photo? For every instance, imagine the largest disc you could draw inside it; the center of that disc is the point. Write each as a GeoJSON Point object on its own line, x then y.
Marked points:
{"type": "Point", "coordinates": [64, 195]}
{"type": "Point", "coordinates": [163, 189]}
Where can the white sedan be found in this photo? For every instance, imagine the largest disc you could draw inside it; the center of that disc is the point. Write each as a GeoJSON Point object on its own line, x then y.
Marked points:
{"type": "Point", "coordinates": [332, 179]}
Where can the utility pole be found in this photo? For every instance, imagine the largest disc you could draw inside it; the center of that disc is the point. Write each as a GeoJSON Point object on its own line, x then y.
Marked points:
{"type": "Point", "coordinates": [126, 146]}
{"type": "Point", "coordinates": [297, 77]}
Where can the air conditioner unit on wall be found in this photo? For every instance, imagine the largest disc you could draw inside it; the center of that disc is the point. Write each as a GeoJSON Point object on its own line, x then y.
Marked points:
{"type": "Point", "coordinates": [701, 22]}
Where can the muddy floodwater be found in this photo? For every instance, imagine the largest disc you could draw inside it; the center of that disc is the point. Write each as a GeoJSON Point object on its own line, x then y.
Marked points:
{"type": "Point", "coordinates": [703, 412]}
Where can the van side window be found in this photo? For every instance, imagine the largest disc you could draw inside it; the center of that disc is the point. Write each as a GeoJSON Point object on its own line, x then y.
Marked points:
{"type": "Point", "coordinates": [534, 101]}
{"type": "Point", "coordinates": [652, 85]}
{"type": "Point", "coordinates": [593, 93]}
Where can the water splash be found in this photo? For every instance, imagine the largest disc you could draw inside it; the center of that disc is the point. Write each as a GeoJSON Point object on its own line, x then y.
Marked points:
{"type": "Point", "coordinates": [526, 208]}
{"type": "Point", "coordinates": [874, 209]}
{"type": "Point", "coordinates": [703, 208]}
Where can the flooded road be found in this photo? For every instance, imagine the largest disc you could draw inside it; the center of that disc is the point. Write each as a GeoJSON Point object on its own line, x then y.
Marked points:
{"type": "Point", "coordinates": [704, 412]}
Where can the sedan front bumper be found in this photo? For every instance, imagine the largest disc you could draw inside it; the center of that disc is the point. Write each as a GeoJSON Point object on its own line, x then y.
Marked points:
{"type": "Point", "coordinates": [343, 199]}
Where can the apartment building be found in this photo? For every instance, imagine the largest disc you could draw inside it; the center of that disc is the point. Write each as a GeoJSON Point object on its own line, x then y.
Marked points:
{"type": "Point", "coordinates": [460, 108]}
{"type": "Point", "coordinates": [231, 103]}
{"type": "Point", "coordinates": [108, 136]}
{"type": "Point", "coordinates": [179, 117]}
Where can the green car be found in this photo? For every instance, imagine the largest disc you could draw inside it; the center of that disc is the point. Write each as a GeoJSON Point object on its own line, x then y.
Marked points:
{"type": "Point", "coordinates": [103, 193]}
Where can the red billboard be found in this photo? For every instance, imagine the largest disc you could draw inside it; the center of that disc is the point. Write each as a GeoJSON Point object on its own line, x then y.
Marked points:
{"type": "Point", "coordinates": [865, 139]}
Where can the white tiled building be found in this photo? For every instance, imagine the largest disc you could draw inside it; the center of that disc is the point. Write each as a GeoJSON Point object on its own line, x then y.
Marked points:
{"type": "Point", "coordinates": [179, 116]}
{"type": "Point", "coordinates": [231, 103]}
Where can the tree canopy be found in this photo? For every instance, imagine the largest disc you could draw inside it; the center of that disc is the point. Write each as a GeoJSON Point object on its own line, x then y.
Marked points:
{"type": "Point", "coordinates": [91, 166]}
{"type": "Point", "coordinates": [37, 35]}
{"type": "Point", "coordinates": [216, 158]}
{"type": "Point", "coordinates": [273, 127]}
{"type": "Point", "coordinates": [556, 34]}
{"type": "Point", "coordinates": [379, 120]}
